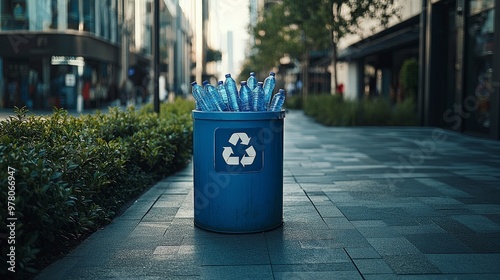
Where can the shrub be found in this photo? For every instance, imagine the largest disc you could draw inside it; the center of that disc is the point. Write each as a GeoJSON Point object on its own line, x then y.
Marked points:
{"type": "Point", "coordinates": [293, 102]}
{"type": "Point", "coordinates": [404, 113]}
{"type": "Point", "coordinates": [408, 78]}
{"type": "Point", "coordinates": [74, 173]}
{"type": "Point", "coordinates": [335, 111]}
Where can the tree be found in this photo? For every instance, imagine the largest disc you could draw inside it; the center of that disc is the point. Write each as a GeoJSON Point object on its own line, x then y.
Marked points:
{"type": "Point", "coordinates": [213, 55]}
{"type": "Point", "coordinates": [296, 27]}
{"type": "Point", "coordinates": [347, 16]}
{"type": "Point", "coordinates": [408, 78]}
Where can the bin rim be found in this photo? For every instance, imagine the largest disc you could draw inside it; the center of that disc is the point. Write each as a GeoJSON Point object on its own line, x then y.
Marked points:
{"type": "Point", "coordinates": [238, 116]}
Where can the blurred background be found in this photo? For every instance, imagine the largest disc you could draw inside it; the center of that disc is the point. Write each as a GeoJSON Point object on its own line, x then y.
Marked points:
{"type": "Point", "coordinates": [441, 54]}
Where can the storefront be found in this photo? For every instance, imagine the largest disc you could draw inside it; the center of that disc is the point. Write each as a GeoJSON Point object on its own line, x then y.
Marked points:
{"type": "Point", "coordinates": [461, 66]}
{"type": "Point", "coordinates": [377, 60]}
{"type": "Point", "coordinates": [480, 54]}
{"type": "Point", "coordinates": [50, 70]}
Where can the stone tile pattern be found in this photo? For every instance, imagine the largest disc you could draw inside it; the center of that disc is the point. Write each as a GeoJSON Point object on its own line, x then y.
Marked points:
{"type": "Point", "coordinates": [359, 203]}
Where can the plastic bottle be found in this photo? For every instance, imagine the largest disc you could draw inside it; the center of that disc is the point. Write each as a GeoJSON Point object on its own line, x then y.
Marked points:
{"type": "Point", "coordinates": [216, 99]}
{"type": "Point", "coordinates": [222, 92]}
{"type": "Point", "coordinates": [232, 93]}
{"type": "Point", "coordinates": [245, 97]}
{"type": "Point", "coordinates": [278, 100]}
{"type": "Point", "coordinates": [200, 95]}
{"type": "Point", "coordinates": [258, 98]}
{"type": "Point", "coordinates": [252, 81]}
{"type": "Point", "coordinates": [269, 84]}
{"type": "Point", "coordinates": [211, 105]}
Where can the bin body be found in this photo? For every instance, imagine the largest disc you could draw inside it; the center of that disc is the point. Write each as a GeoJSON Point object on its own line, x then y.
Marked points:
{"type": "Point", "coordinates": [238, 171]}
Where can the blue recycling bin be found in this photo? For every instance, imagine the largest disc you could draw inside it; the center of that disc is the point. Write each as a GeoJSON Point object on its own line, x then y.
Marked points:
{"type": "Point", "coordinates": [238, 171]}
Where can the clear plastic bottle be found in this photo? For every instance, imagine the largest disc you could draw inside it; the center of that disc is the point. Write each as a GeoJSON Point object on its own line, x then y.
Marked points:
{"type": "Point", "coordinates": [214, 96]}
{"type": "Point", "coordinates": [222, 92]}
{"type": "Point", "coordinates": [200, 95]}
{"type": "Point", "coordinates": [252, 81]}
{"type": "Point", "coordinates": [278, 100]}
{"type": "Point", "coordinates": [245, 97]}
{"type": "Point", "coordinates": [269, 84]}
{"type": "Point", "coordinates": [211, 104]}
{"type": "Point", "coordinates": [258, 98]}
{"type": "Point", "coordinates": [232, 93]}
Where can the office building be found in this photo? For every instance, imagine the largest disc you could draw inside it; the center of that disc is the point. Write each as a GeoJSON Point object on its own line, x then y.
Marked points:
{"type": "Point", "coordinates": [55, 52]}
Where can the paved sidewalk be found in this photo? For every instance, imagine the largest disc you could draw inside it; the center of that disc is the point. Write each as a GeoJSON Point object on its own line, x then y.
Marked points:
{"type": "Point", "coordinates": [359, 203]}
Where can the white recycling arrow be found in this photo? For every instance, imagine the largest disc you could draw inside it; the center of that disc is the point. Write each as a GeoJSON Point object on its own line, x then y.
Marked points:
{"type": "Point", "coordinates": [244, 138]}
{"type": "Point", "coordinates": [247, 159]}
{"type": "Point", "coordinates": [226, 154]}
{"type": "Point", "coordinates": [239, 136]}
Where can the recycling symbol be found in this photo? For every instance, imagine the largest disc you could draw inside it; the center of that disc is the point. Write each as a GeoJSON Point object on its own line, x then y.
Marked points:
{"type": "Point", "coordinates": [247, 158]}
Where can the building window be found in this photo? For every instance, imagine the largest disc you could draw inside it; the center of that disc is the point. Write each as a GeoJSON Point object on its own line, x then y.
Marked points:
{"type": "Point", "coordinates": [89, 16]}
{"type": "Point", "coordinates": [14, 15]}
{"type": "Point", "coordinates": [54, 12]}
{"type": "Point", "coordinates": [73, 14]}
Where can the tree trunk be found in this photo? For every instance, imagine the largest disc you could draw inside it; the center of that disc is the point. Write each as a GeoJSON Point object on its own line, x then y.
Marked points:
{"type": "Point", "coordinates": [336, 10]}
{"type": "Point", "coordinates": [334, 62]}
{"type": "Point", "coordinates": [305, 75]}
{"type": "Point", "coordinates": [334, 69]}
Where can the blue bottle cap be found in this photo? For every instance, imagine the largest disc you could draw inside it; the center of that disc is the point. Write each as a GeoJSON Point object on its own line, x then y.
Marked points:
{"type": "Point", "coordinates": [220, 82]}
{"type": "Point", "coordinates": [243, 83]}
{"type": "Point", "coordinates": [260, 84]}
{"type": "Point", "coordinates": [252, 73]}
{"type": "Point", "coordinates": [228, 75]}
{"type": "Point", "coordinates": [272, 73]}
{"type": "Point", "coordinates": [194, 83]}
{"type": "Point", "coordinates": [205, 82]}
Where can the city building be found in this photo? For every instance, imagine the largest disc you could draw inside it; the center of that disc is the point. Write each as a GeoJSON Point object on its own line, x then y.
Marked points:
{"type": "Point", "coordinates": [197, 12]}
{"type": "Point", "coordinates": [460, 62]}
{"type": "Point", "coordinates": [89, 53]}
{"type": "Point", "coordinates": [457, 46]}
{"type": "Point", "coordinates": [370, 62]}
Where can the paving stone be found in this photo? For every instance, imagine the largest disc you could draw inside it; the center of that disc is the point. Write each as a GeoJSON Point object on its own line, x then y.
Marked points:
{"type": "Point", "coordinates": [379, 232]}
{"type": "Point", "coordinates": [356, 213]}
{"type": "Point", "coordinates": [362, 253]}
{"type": "Point", "coordinates": [419, 229]}
{"type": "Point", "coordinates": [237, 250]}
{"type": "Point", "coordinates": [438, 243]}
{"type": "Point", "coordinates": [292, 252]}
{"type": "Point", "coordinates": [318, 275]}
{"type": "Point", "coordinates": [338, 223]}
{"type": "Point", "coordinates": [466, 263]}
{"type": "Point", "coordinates": [478, 223]}
{"type": "Point", "coordinates": [369, 223]}
{"type": "Point", "coordinates": [237, 272]}
{"type": "Point", "coordinates": [372, 266]}
{"type": "Point", "coordinates": [411, 264]}
{"type": "Point", "coordinates": [338, 266]}
{"type": "Point", "coordinates": [388, 246]}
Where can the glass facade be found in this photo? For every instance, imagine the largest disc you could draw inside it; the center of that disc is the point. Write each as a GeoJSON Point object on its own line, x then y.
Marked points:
{"type": "Point", "coordinates": [74, 47]}
{"type": "Point", "coordinates": [479, 65]}
{"type": "Point", "coordinates": [13, 15]}
{"type": "Point", "coordinates": [38, 81]}
{"type": "Point", "coordinates": [97, 17]}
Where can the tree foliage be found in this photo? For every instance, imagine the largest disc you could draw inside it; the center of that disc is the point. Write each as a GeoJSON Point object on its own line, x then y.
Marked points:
{"type": "Point", "coordinates": [293, 28]}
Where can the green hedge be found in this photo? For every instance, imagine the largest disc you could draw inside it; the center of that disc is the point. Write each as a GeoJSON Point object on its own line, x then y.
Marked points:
{"type": "Point", "coordinates": [74, 173]}
{"type": "Point", "coordinates": [333, 110]}
{"type": "Point", "coordinates": [293, 102]}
